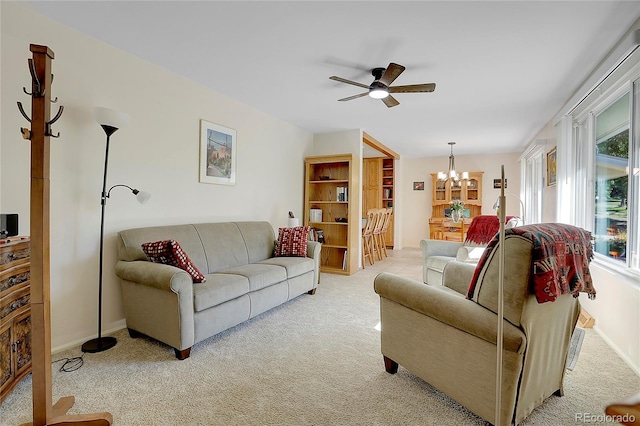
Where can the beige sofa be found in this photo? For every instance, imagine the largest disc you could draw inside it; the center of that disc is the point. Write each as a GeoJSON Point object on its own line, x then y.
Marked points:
{"type": "Point", "coordinates": [243, 280]}
{"type": "Point", "coordinates": [449, 341]}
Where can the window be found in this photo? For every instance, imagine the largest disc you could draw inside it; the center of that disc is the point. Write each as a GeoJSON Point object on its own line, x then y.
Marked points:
{"type": "Point", "coordinates": [606, 161]}
{"type": "Point", "coordinates": [611, 180]}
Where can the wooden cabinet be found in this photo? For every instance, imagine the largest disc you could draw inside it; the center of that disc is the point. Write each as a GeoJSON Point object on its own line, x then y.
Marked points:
{"type": "Point", "coordinates": [332, 192]}
{"type": "Point", "coordinates": [468, 191]}
{"type": "Point", "coordinates": [15, 314]}
{"type": "Point", "coordinates": [378, 188]}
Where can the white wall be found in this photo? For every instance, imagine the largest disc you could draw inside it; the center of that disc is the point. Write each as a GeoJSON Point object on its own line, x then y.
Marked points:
{"type": "Point", "coordinates": [616, 310]}
{"type": "Point", "coordinates": [416, 205]}
{"type": "Point", "coordinates": [158, 152]}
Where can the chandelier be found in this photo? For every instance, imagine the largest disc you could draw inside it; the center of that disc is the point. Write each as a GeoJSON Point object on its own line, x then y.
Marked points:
{"type": "Point", "coordinates": [452, 174]}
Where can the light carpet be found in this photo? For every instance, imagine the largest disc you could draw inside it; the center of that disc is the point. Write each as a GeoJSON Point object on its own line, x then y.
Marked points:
{"type": "Point", "coordinates": [313, 361]}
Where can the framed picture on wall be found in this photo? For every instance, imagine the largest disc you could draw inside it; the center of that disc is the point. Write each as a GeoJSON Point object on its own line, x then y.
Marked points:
{"type": "Point", "coordinates": [418, 186]}
{"type": "Point", "coordinates": [218, 152]}
{"type": "Point", "coordinates": [551, 167]}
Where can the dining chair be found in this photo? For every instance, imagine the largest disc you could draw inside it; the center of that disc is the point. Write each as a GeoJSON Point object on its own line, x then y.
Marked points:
{"type": "Point", "coordinates": [367, 237]}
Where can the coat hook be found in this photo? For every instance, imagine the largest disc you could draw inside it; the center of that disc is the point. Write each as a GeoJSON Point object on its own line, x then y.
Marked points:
{"type": "Point", "coordinates": [24, 114]}
{"type": "Point", "coordinates": [26, 133]}
{"type": "Point", "coordinates": [24, 89]}
{"type": "Point", "coordinates": [53, 101]}
{"type": "Point", "coordinates": [34, 77]}
{"type": "Point", "coordinates": [48, 132]}
{"type": "Point", "coordinates": [54, 119]}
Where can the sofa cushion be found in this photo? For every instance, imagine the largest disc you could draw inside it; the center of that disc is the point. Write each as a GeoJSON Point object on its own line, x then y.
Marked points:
{"type": "Point", "coordinates": [223, 244]}
{"type": "Point", "coordinates": [171, 253]}
{"type": "Point", "coordinates": [260, 275]}
{"type": "Point", "coordinates": [292, 241]}
{"type": "Point", "coordinates": [293, 265]}
{"type": "Point", "coordinates": [130, 242]}
{"type": "Point", "coordinates": [258, 238]}
{"type": "Point", "coordinates": [218, 289]}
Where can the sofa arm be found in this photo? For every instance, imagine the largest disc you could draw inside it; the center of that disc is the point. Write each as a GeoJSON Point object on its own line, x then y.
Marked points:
{"type": "Point", "coordinates": [158, 275]}
{"type": "Point", "coordinates": [313, 251]}
{"type": "Point", "coordinates": [439, 248]}
{"type": "Point", "coordinates": [449, 308]}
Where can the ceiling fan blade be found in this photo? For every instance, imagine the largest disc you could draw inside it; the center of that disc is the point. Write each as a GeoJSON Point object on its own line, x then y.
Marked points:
{"type": "Point", "coordinates": [390, 101]}
{"type": "Point", "coordinates": [344, 80]}
{"type": "Point", "coordinates": [391, 73]}
{"type": "Point", "coordinates": [429, 87]}
{"type": "Point", "coordinates": [354, 97]}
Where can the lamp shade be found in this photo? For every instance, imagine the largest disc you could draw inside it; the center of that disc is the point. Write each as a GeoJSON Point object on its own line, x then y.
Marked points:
{"type": "Point", "coordinates": [143, 197]}
{"type": "Point", "coordinates": [110, 117]}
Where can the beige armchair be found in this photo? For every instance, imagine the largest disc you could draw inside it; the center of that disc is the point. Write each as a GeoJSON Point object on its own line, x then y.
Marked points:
{"type": "Point", "coordinates": [436, 254]}
{"type": "Point", "coordinates": [449, 340]}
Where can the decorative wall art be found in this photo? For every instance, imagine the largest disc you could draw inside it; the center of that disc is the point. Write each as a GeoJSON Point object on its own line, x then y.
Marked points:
{"type": "Point", "coordinates": [551, 167]}
{"type": "Point", "coordinates": [497, 183]}
{"type": "Point", "coordinates": [218, 153]}
{"type": "Point", "coordinates": [418, 186]}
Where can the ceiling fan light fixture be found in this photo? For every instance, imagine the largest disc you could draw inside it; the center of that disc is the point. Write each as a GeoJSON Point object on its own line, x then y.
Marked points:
{"type": "Point", "coordinates": [378, 92]}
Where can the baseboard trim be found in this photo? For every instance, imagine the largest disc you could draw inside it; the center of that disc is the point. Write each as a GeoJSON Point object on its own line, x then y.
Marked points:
{"type": "Point", "coordinates": [616, 349]}
{"type": "Point", "coordinates": [117, 326]}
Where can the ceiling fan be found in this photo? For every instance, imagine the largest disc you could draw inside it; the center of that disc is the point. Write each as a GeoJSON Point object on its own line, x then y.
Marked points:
{"type": "Point", "coordinates": [381, 87]}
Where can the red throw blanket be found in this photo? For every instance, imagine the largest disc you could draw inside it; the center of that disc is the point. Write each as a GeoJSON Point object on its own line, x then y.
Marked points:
{"type": "Point", "coordinates": [483, 228]}
{"type": "Point", "coordinates": [560, 263]}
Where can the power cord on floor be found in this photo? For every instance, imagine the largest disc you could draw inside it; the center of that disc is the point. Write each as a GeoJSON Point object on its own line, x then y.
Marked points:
{"type": "Point", "coordinates": [70, 364]}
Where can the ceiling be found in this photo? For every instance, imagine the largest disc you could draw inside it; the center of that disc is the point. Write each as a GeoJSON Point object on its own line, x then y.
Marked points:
{"type": "Point", "coordinates": [502, 69]}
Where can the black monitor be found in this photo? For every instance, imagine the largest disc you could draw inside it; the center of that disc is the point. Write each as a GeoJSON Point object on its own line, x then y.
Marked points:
{"type": "Point", "coordinates": [8, 225]}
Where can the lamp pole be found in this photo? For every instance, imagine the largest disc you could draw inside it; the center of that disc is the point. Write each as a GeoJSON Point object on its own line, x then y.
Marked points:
{"type": "Point", "coordinates": [102, 343]}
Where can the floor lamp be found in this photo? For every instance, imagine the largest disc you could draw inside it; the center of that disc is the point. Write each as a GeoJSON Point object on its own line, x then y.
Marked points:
{"type": "Point", "coordinates": [496, 205]}
{"type": "Point", "coordinates": [110, 121]}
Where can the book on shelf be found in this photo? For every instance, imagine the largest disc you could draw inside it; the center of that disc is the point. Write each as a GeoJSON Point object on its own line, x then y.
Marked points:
{"type": "Point", "coordinates": [344, 260]}
{"type": "Point", "coordinates": [342, 193]}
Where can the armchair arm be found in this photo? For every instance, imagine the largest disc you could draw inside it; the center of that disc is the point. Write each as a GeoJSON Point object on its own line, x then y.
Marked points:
{"type": "Point", "coordinates": [157, 275]}
{"type": "Point", "coordinates": [439, 248]}
{"type": "Point", "coordinates": [449, 308]}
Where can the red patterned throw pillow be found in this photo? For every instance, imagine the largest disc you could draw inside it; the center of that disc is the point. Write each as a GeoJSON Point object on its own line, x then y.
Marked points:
{"type": "Point", "coordinates": [292, 241]}
{"type": "Point", "coordinates": [171, 253]}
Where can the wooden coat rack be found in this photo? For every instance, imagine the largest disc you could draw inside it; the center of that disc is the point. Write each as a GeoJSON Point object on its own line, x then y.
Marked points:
{"type": "Point", "coordinates": [44, 413]}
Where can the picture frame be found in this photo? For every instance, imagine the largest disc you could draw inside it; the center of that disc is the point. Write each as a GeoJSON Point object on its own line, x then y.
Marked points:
{"type": "Point", "coordinates": [418, 186]}
{"type": "Point", "coordinates": [218, 154]}
{"type": "Point", "coordinates": [551, 167]}
{"type": "Point", "coordinates": [497, 183]}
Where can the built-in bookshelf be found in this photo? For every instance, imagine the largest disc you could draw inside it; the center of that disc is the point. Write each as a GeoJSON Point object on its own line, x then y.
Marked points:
{"type": "Point", "coordinates": [330, 209]}
{"type": "Point", "coordinates": [378, 189]}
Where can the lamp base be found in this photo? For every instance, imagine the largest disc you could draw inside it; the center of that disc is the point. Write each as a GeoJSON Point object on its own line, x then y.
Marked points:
{"type": "Point", "coordinates": [100, 344]}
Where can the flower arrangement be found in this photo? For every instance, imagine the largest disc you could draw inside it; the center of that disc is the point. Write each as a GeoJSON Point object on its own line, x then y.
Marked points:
{"type": "Point", "coordinates": [456, 205]}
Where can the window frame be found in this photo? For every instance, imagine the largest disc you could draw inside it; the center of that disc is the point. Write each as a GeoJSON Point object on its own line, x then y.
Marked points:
{"type": "Point", "coordinates": [583, 145]}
